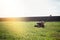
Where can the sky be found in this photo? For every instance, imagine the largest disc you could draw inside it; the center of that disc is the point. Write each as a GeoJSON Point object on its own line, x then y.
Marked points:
{"type": "Point", "coordinates": [29, 8]}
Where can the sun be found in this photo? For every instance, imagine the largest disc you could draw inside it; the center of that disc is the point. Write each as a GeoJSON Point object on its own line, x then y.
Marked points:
{"type": "Point", "coordinates": [9, 19]}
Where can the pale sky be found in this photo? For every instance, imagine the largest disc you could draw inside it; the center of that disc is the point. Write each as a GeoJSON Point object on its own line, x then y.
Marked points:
{"type": "Point", "coordinates": [29, 8]}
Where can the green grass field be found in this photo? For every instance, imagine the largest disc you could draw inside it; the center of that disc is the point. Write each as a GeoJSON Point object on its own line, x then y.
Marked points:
{"type": "Point", "coordinates": [27, 31]}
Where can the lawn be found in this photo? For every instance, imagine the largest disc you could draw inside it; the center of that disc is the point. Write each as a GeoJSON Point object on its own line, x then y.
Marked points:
{"type": "Point", "coordinates": [27, 31]}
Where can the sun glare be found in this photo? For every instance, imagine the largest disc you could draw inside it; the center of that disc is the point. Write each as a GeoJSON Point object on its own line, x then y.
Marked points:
{"type": "Point", "coordinates": [14, 26]}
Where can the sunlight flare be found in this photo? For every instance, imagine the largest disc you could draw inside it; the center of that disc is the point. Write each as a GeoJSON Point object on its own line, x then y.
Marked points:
{"type": "Point", "coordinates": [14, 26]}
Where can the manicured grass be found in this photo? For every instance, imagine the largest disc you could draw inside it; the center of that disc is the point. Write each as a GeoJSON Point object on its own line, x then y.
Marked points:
{"type": "Point", "coordinates": [27, 31]}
